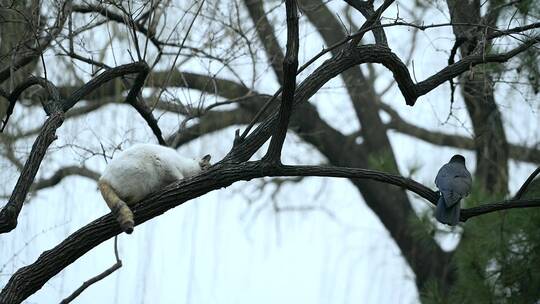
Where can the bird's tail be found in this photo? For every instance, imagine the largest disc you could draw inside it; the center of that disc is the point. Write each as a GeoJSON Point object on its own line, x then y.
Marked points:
{"type": "Point", "coordinates": [119, 208]}
{"type": "Point", "coordinates": [445, 215]}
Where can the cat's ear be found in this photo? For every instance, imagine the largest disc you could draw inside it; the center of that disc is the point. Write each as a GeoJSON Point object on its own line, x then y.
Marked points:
{"type": "Point", "coordinates": [205, 162]}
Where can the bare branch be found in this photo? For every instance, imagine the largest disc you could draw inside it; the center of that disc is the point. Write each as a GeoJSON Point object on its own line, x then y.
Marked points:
{"type": "Point", "coordinates": [513, 203]}
{"type": "Point", "coordinates": [112, 16]}
{"type": "Point", "coordinates": [52, 91]}
{"type": "Point", "coordinates": [498, 206]}
{"type": "Point", "coordinates": [103, 78]}
{"type": "Point", "coordinates": [133, 97]}
{"type": "Point", "coordinates": [10, 212]}
{"type": "Point", "coordinates": [97, 278]}
{"type": "Point", "coordinates": [209, 122]}
{"type": "Point", "coordinates": [61, 174]}
{"type": "Point", "coordinates": [371, 22]}
{"type": "Point", "coordinates": [518, 29]}
{"type": "Point", "coordinates": [258, 115]}
{"type": "Point", "coordinates": [526, 184]}
{"type": "Point", "coordinates": [464, 64]}
{"type": "Point", "coordinates": [290, 65]}
{"type": "Point", "coordinates": [366, 9]}
{"type": "Point", "coordinates": [136, 100]}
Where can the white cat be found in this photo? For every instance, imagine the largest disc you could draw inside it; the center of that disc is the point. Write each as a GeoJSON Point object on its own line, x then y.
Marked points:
{"type": "Point", "coordinates": [139, 171]}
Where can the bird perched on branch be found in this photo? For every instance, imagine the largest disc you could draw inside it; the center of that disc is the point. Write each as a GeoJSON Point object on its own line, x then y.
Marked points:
{"type": "Point", "coordinates": [454, 183]}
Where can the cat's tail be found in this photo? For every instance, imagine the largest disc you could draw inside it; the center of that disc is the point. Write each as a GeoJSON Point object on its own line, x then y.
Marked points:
{"type": "Point", "coordinates": [119, 208]}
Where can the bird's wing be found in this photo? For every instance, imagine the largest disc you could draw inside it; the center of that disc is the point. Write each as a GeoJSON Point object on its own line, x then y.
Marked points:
{"type": "Point", "coordinates": [454, 182]}
{"type": "Point", "coordinates": [443, 177]}
{"type": "Point", "coordinates": [462, 180]}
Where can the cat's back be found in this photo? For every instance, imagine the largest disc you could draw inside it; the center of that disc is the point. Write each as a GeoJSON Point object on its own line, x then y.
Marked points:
{"type": "Point", "coordinates": [141, 169]}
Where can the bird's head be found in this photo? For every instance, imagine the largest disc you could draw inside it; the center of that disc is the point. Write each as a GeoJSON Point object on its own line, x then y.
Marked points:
{"type": "Point", "coordinates": [458, 158]}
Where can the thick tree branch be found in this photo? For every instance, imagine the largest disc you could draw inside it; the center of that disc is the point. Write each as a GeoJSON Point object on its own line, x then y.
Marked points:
{"type": "Point", "coordinates": [10, 212]}
{"type": "Point", "coordinates": [52, 92]}
{"type": "Point", "coordinates": [135, 99]}
{"type": "Point", "coordinates": [31, 278]}
{"type": "Point", "coordinates": [290, 65]}
{"type": "Point", "coordinates": [412, 91]}
{"type": "Point", "coordinates": [105, 77]}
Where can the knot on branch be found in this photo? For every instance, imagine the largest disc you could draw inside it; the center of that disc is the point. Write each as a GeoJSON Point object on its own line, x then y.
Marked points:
{"type": "Point", "coordinates": [52, 106]}
{"type": "Point", "coordinates": [237, 139]}
{"type": "Point", "coordinates": [269, 165]}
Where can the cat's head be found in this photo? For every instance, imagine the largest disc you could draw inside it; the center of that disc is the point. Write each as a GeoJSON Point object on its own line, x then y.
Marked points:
{"type": "Point", "coordinates": [204, 163]}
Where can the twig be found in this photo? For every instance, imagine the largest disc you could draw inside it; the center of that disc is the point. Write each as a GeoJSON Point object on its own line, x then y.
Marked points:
{"type": "Point", "coordinates": [61, 173]}
{"type": "Point", "coordinates": [173, 66]}
{"type": "Point", "coordinates": [259, 113]}
{"type": "Point", "coordinates": [523, 187]}
{"type": "Point", "coordinates": [97, 278]}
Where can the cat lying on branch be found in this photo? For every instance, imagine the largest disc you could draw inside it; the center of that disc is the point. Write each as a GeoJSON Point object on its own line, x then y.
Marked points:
{"type": "Point", "coordinates": [140, 170]}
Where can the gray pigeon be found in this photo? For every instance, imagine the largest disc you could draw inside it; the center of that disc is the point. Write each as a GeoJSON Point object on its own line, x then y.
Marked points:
{"type": "Point", "coordinates": [454, 182]}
